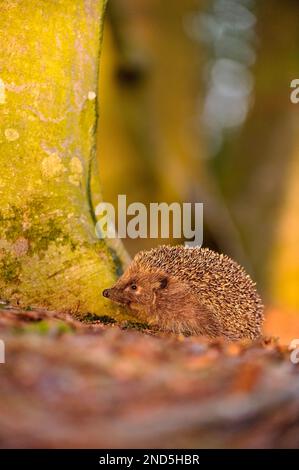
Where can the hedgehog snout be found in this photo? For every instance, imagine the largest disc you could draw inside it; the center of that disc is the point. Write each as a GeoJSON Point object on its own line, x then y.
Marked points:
{"type": "Point", "coordinates": [116, 295]}
{"type": "Point", "coordinates": [106, 292]}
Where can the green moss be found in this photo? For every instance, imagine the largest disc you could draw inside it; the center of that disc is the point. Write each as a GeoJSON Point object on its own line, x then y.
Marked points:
{"type": "Point", "coordinates": [41, 236]}
{"type": "Point", "coordinates": [90, 318]}
{"type": "Point", "coordinates": [10, 268]}
{"type": "Point", "coordinates": [11, 224]}
{"type": "Point", "coordinates": [131, 324]}
{"type": "Point", "coordinates": [46, 328]}
{"type": "Point", "coordinates": [33, 223]}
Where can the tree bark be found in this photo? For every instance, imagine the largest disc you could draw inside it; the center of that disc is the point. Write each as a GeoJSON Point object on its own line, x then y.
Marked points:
{"type": "Point", "coordinates": [49, 253]}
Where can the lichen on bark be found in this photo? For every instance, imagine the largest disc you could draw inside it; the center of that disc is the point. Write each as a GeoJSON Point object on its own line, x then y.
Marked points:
{"type": "Point", "coordinates": [49, 254]}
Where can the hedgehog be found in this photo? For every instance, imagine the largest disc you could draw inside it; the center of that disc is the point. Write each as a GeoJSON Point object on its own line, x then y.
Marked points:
{"type": "Point", "coordinates": [190, 291]}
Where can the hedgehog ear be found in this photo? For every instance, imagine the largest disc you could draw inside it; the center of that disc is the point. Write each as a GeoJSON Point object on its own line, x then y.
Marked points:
{"type": "Point", "coordinates": [163, 282]}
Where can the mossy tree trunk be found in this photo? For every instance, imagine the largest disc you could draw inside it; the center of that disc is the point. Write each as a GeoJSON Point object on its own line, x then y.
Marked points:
{"type": "Point", "coordinates": [49, 254]}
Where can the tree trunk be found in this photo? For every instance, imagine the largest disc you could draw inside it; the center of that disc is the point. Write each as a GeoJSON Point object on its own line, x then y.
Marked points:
{"type": "Point", "coordinates": [49, 254]}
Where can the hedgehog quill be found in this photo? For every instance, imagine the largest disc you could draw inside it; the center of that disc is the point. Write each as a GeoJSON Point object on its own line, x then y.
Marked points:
{"type": "Point", "coordinates": [192, 291]}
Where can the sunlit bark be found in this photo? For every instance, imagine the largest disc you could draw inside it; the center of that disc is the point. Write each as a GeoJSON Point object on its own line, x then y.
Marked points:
{"type": "Point", "coordinates": [49, 254]}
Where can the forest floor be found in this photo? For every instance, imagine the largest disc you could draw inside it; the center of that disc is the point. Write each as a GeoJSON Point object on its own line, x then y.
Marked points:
{"type": "Point", "coordinates": [71, 384]}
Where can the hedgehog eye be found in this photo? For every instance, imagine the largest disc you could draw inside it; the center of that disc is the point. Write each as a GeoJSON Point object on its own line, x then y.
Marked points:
{"type": "Point", "coordinates": [163, 283]}
{"type": "Point", "coordinates": [133, 286]}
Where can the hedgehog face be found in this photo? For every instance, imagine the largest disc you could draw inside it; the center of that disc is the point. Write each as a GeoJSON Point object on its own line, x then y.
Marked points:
{"type": "Point", "coordinates": [153, 297]}
{"type": "Point", "coordinates": [139, 292]}
{"type": "Point", "coordinates": [160, 300]}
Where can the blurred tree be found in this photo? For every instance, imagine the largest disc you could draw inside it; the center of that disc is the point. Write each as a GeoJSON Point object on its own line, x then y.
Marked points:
{"type": "Point", "coordinates": [254, 166]}
{"type": "Point", "coordinates": [49, 254]}
{"type": "Point", "coordinates": [284, 266]}
{"type": "Point", "coordinates": [151, 93]}
{"type": "Point", "coordinates": [153, 132]}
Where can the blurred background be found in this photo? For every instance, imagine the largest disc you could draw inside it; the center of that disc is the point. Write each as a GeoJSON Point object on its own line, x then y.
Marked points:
{"type": "Point", "coordinates": [195, 107]}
